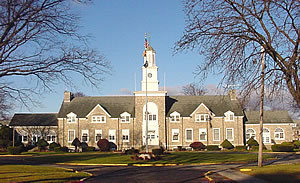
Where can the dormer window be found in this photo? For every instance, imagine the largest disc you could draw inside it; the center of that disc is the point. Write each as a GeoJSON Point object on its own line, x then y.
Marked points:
{"type": "Point", "coordinates": [71, 117]}
{"type": "Point", "coordinates": [175, 117]}
{"type": "Point", "coordinates": [125, 117]}
{"type": "Point", "coordinates": [99, 119]}
{"type": "Point", "coordinates": [229, 116]}
{"type": "Point", "coordinates": [201, 117]}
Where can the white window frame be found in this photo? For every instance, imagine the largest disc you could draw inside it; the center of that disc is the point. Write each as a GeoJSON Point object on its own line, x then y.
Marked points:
{"type": "Point", "coordinates": [229, 116]}
{"type": "Point", "coordinates": [251, 134]}
{"type": "Point", "coordinates": [51, 138]}
{"type": "Point", "coordinates": [201, 130]}
{"type": "Point", "coordinates": [213, 133]}
{"type": "Point", "coordinates": [71, 130]}
{"type": "Point", "coordinates": [110, 133]}
{"type": "Point", "coordinates": [98, 119]}
{"type": "Point", "coordinates": [125, 117]}
{"type": "Point", "coordinates": [266, 136]}
{"type": "Point", "coordinates": [98, 132]}
{"type": "Point", "coordinates": [198, 117]}
{"type": "Point", "coordinates": [232, 134]}
{"type": "Point", "coordinates": [174, 132]}
{"type": "Point", "coordinates": [174, 117]}
{"type": "Point", "coordinates": [87, 133]}
{"type": "Point", "coordinates": [278, 133]}
{"type": "Point", "coordinates": [188, 140]}
{"type": "Point", "coordinates": [71, 118]}
{"type": "Point", "coordinates": [125, 132]}
{"type": "Point", "coordinates": [25, 135]}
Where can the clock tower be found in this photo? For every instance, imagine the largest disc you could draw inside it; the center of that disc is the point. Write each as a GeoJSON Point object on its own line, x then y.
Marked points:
{"type": "Point", "coordinates": [149, 69]}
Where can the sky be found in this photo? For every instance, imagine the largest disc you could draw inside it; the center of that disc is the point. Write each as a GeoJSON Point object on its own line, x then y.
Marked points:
{"type": "Point", "coordinates": [117, 29]}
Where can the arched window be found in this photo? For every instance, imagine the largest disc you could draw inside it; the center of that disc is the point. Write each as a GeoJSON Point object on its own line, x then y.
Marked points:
{"type": "Point", "coordinates": [152, 112]}
{"type": "Point", "coordinates": [250, 133]}
{"type": "Point", "coordinates": [266, 135]}
{"type": "Point", "coordinates": [279, 134]}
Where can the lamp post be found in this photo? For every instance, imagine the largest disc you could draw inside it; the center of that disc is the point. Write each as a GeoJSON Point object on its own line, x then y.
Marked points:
{"type": "Point", "coordinates": [146, 101]}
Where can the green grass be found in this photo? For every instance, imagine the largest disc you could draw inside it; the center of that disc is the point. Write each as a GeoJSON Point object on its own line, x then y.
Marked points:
{"type": "Point", "coordinates": [175, 157]}
{"type": "Point", "coordinates": [29, 173]}
{"type": "Point", "coordinates": [277, 173]}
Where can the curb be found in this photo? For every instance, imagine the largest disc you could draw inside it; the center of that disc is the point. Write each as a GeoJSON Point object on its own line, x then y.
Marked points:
{"type": "Point", "coordinates": [11, 155]}
{"type": "Point", "coordinates": [138, 165]}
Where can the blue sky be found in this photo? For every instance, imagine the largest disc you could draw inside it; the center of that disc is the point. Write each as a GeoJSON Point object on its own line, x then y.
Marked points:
{"type": "Point", "coordinates": [117, 28]}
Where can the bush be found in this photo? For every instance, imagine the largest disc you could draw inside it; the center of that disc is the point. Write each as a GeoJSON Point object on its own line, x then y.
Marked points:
{"type": "Point", "coordinates": [282, 148]}
{"type": "Point", "coordinates": [76, 142]}
{"type": "Point", "coordinates": [4, 143]}
{"type": "Point", "coordinates": [213, 148]}
{"type": "Point", "coordinates": [103, 145]}
{"type": "Point", "coordinates": [197, 145]}
{"type": "Point", "coordinates": [226, 144]}
{"type": "Point", "coordinates": [53, 145]}
{"type": "Point", "coordinates": [42, 144]}
{"type": "Point", "coordinates": [159, 151]}
{"type": "Point", "coordinates": [297, 144]}
{"type": "Point", "coordinates": [252, 142]}
{"type": "Point", "coordinates": [131, 151]}
{"type": "Point", "coordinates": [256, 148]}
{"type": "Point", "coordinates": [90, 149]}
{"type": "Point", "coordinates": [84, 146]}
{"type": "Point", "coordinates": [14, 150]}
{"type": "Point", "coordinates": [240, 148]}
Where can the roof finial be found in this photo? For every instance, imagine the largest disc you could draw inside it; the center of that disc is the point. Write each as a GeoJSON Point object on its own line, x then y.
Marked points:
{"type": "Point", "coordinates": [146, 42]}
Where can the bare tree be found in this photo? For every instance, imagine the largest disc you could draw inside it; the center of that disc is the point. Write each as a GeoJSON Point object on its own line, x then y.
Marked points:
{"type": "Point", "coordinates": [79, 94]}
{"type": "Point", "coordinates": [40, 42]}
{"type": "Point", "coordinates": [230, 33]}
{"type": "Point", "coordinates": [5, 107]}
{"type": "Point", "coordinates": [193, 89]}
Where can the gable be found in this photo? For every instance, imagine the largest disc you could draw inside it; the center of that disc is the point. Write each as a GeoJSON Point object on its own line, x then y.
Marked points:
{"type": "Point", "coordinates": [98, 109]}
{"type": "Point", "coordinates": [202, 109]}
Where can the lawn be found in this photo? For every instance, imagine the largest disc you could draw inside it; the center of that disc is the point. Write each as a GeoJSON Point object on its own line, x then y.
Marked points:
{"type": "Point", "coordinates": [277, 173]}
{"type": "Point", "coordinates": [28, 173]}
{"type": "Point", "coordinates": [174, 157]}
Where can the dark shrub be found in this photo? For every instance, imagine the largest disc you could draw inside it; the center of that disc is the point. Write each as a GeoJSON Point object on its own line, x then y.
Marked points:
{"type": "Point", "coordinates": [4, 143]}
{"type": "Point", "coordinates": [103, 145]}
{"type": "Point", "coordinates": [226, 144]}
{"type": "Point", "coordinates": [256, 148]}
{"type": "Point", "coordinates": [57, 149]}
{"type": "Point", "coordinates": [282, 148]}
{"type": "Point", "coordinates": [213, 148]}
{"type": "Point", "coordinates": [252, 142]}
{"type": "Point", "coordinates": [131, 151]}
{"type": "Point", "coordinates": [197, 145]}
{"type": "Point", "coordinates": [42, 144]}
{"type": "Point", "coordinates": [179, 148]}
{"type": "Point", "coordinates": [159, 151]}
{"type": "Point", "coordinates": [14, 150]}
{"type": "Point", "coordinates": [240, 148]}
{"type": "Point", "coordinates": [90, 149]}
{"type": "Point", "coordinates": [84, 146]}
{"type": "Point", "coordinates": [53, 145]}
{"type": "Point", "coordinates": [112, 146]}
{"type": "Point", "coordinates": [76, 142]}
{"type": "Point", "coordinates": [61, 149]}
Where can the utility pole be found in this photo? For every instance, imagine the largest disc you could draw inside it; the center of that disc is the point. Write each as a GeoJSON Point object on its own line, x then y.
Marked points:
{"type": "Point", "coordinates": [147, 148]}
{"type": "Point", "coordinates": [261, 111]}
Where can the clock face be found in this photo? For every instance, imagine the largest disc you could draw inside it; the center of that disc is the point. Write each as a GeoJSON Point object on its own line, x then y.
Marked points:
{"type": "Point", "coordinates": [149, 75]}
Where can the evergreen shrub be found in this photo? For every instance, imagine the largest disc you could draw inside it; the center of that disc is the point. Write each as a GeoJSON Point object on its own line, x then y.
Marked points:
{"type": "Point", "coordinates": [213, 148]}
{"type": "Point", "coordinates": [53, 145]}
{"type": "Point", "coordinates": [158, 151]}
{"type": "Point", "coordinates": [226, 144]}
{"type": "Point", "coordinates": [282, 148]}
{"type": "Point", "coordinates": [131, 151]}
{"type": "Point", "coordinates": [14, 150]}
{"type": "Point", "coordinates": [42, 144]}
{"type": "Point", "coordinates": [252, 142]}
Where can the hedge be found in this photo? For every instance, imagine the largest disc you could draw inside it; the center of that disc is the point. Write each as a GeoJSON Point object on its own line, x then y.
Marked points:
{"type": "Point", "coordinates": [282, 148]}
{"type": "Point", "coordinates": [61, 149]}
{"type": "Point", "coordinates": [241, 147]}
{"type": "Point", "coordinates": [197, 145]}
{"type": "Point", "coordinates": [14, 150]}
{"type": "Point", "coordinates": [213, 148]}
{"type": "Point", "coordinates": [131, 151]}
{"type": "Point", "coordinates": [159, 151]}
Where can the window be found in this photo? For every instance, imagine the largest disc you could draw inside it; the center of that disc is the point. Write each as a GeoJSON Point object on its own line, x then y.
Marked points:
{"type": "Point", "coordinates": [99, 119]}
{"type": "Point", "coordinates": [189, 134]}
{"type": "Point", "coordinates": [24, 138]}
{"type": "Point", "coordinates": [175, 135]}
{"type": "Point", "coordinates": [229, 116]}
{"type": "Point", "coordinates": [98, 135]}
{"type": "Point", "coordinates": [151, 134]}
{"type": "Point", "coordinates": [216, 134]}
{"type": "Point", "coordinates": [71, 117]}
{"type": "Point", "coordinates": [279, 134]}
{"type": "Point", "coordinates": [250, 133]}
{"type": "Point", "coordinates": [201, 117]}
{"type": "Point", "coordinates": [175, 117]}
{"type": "Point", "coordinates": [229, 134]}
{"type": "Point", "coordinates": [125, 117]}
{"type": "Point", "coordinates": [112, 135]}
{"type": "Point", "coordinates": [85, 135]}
{"type": "Point", "coordinates": [71, 135]}
{"type": "Point", "coordinates": [125, 135]}
{"type": "Point", "coordinates": [50, 138]}
{"type": "Point", "coordinates": [266, 136]}
{"type": "Point", "coordinates": [202, 134]}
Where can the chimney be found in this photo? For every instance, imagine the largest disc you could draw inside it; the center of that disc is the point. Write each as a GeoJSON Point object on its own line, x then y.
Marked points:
{"type": "Point", "coordinates": [232, 94]}
{"type": "Point", "coordinates": [68, 96]}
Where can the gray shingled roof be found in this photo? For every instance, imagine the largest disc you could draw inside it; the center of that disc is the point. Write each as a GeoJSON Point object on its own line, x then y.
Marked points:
{"type": "Point", "coordinates": [40, 119]}
{"type": "Point", "coordinates": [114, 105]}
{"type": "Point", "coordinates": [252, 117]}
{"type": "Point", "coordinates": [218, 104]}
